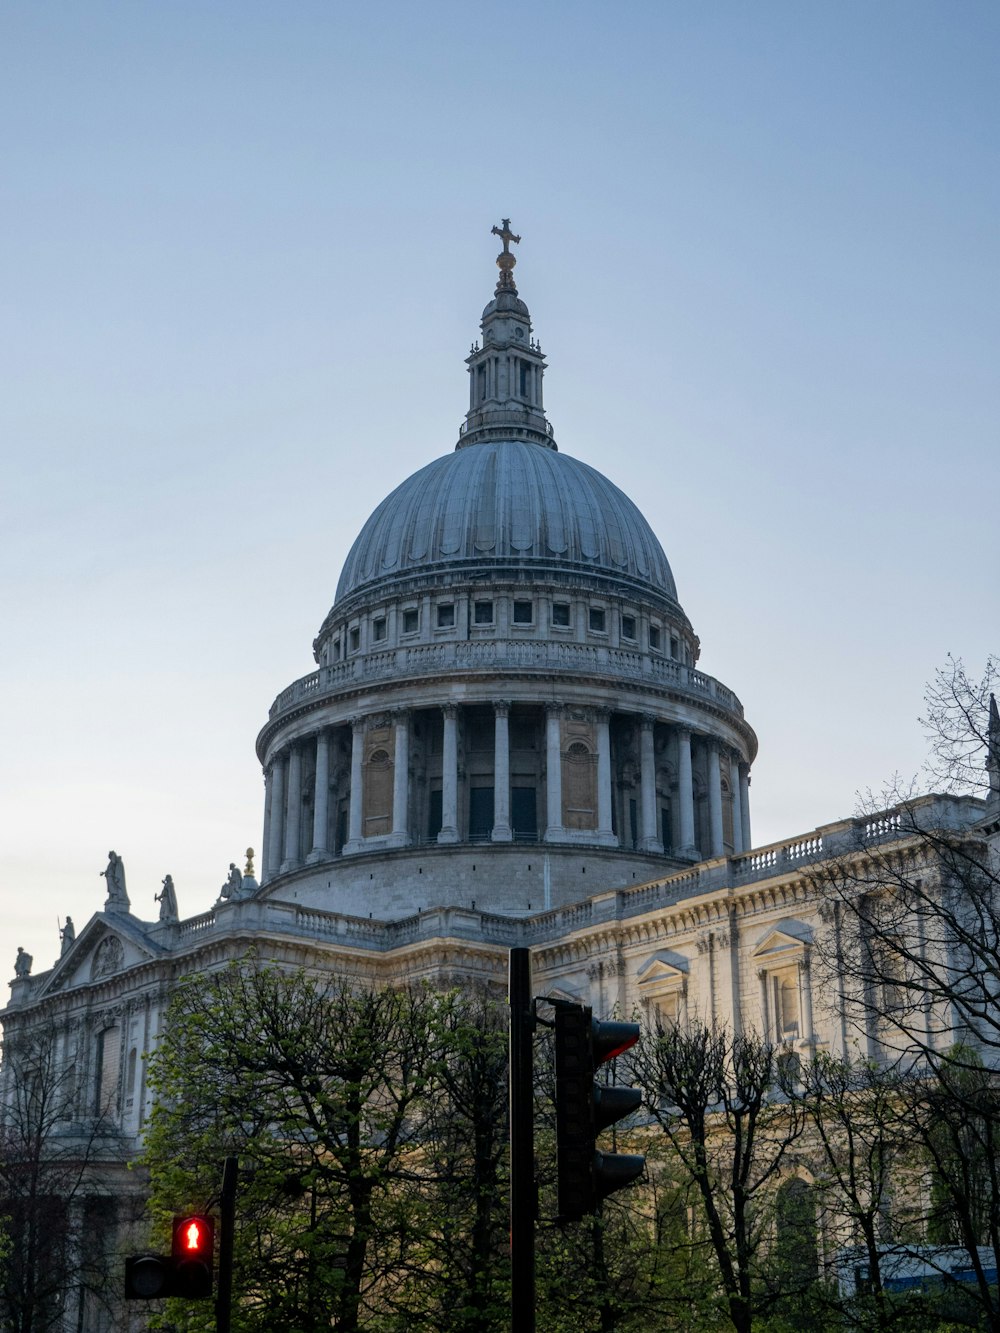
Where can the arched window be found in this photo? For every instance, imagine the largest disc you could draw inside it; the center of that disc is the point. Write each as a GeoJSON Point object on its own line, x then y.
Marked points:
{"type": "Point", "coordinates": [796, 1249]}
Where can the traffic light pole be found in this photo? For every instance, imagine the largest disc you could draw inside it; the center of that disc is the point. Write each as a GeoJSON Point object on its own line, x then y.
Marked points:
{"type": "Point", "coordinates": [227, 1225]}
{"type": "Point", "coordinates": [523, 1202]}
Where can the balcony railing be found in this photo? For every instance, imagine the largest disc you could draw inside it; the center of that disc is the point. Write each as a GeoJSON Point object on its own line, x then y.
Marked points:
{"type": "Point", "coordinates": [491, 655]}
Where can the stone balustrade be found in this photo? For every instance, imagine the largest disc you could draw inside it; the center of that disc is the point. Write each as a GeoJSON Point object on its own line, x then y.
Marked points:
{"type": "Point", "coordinates": [490, 655]}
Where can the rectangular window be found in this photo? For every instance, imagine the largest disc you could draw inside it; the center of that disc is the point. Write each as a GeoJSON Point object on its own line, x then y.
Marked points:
{"type": "Point", "coordinates": [378, 629]}
{"type": "Point", "coordinates": [560, 613]}
{"type": "Point", "coordinates": [628, 627]}
{"type": "Point", "coordinates": [355, 639]}
{"type": "Point", "coordinates": [411, 620]}
{"type": "Point", "coordinates": [522, 613]}
{"type": "Point", "coordinates": [524, 813]}
{"type": "Point", "coordinates": [336, 650]}
{"type": "Point", "coordinates": [484, 613]}
{"type": "Point", "coordinates": [480, 813]}
{"type": "Point", "coordinates": [597, 620]}
{"type": "Point", "coordinates": [674, 648]}
{"type": "Point", "coordinates": [434, 810]}
{"type": "Point", "coordinates": [446, 615]}
{"type": "Point", "coordinates": [654, 637]}
{"type": "Point", "coordinates": [108, 1055]}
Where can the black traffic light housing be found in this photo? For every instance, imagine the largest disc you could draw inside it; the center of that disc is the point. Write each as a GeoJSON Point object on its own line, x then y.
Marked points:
{"type": "Point", "coordinates": [585, 1107]}
{"type": "Point", "coordinates": [185, 1273]}
{"type": "Point", "coordinates": [148, 1277]}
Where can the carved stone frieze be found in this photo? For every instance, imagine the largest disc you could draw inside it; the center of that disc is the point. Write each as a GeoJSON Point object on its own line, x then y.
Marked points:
{"type": "Point", "coordinates": [109, 957]}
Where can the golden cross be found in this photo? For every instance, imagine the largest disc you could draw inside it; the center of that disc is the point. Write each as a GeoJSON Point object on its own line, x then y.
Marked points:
{"type": "Point", "coordinates": [506, 235]}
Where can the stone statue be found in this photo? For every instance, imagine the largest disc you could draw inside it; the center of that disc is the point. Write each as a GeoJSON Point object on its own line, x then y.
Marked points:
{"type": "Point", "coordinates": [233, 886]}
{"type": "Point", "coordinates": [22, 963]}
{"type": "Point", "coordinates": [67, 935]}
{"type": "Point", "coordinates": [115, 875]}
{"type": "Point", "coordinates": [167, 899]}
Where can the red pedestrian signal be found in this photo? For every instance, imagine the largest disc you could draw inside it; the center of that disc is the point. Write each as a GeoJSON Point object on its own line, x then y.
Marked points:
{"type": "Point", "coordinates": [193, 1254]}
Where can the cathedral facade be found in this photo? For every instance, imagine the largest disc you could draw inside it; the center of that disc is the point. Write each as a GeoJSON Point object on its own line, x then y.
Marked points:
{"type": "Point", "coordinates": [506, 741]}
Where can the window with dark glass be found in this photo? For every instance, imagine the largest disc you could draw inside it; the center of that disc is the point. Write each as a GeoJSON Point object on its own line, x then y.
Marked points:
{"type": "Point", "coordinates": [355, 639]}
{"type": "Point", "coordinates": [628, 627]}
{"type": "Point", "coordinates": [378, 629]}
{"type": "Point", "coordinates": [484, 613]}
{"type": "Point", "coordinates": [674, 647]}
{"type": "Point", "coordinates": [597, 619]}
{"type": "Point", "coordinates": [411, 620]}
{"type": "Point", "coordinates": [560, 613]}
{"type": "Point", "coordinates": [522, 613]}
{"type": "Point", "coordinates": [654, 636]}
{"type": "Point", "coordinates": [446, 615]}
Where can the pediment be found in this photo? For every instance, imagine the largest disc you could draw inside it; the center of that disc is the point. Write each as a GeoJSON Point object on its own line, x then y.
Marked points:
{"type": "Point", "coordinates": [789, 938]}
{"type": "Point", "coordinates": [108, 944]}
{"type": "Point", "coordinates": [664, 966]}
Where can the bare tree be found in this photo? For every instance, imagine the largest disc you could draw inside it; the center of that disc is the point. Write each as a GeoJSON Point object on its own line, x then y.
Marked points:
{"type": "Point", "coordinates": [55, 1221]}
{"type": "Point", "coordinates": [916, 963]}
{"type": "Point", "coordinates": [718, 1099]}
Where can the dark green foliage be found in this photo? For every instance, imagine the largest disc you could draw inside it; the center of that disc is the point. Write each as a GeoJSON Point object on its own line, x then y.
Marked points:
{"type": "Point", "coordinates": [370, 1128]}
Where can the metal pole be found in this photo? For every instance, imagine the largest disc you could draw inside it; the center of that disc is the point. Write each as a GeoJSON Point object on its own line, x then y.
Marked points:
{"type": "Point", "coordinates": [523, 1204]}
{"type": "Point", "coordinates": [227, 1225]}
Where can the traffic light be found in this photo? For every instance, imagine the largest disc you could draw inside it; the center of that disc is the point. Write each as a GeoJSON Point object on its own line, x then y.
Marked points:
{"type": "Point", "coordinates": [193, 1252]}
{"type": "Point", "coordinates": [148, 1277]}
{"type": "Point", "coordinates": [585, 1107]}
{"type": "Point", "coordinates": [186, 1272]}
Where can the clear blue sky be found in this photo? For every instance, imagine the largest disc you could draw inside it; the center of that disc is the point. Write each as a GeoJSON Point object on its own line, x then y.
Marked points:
{"type": "Point", "coordinates": [245, 249]}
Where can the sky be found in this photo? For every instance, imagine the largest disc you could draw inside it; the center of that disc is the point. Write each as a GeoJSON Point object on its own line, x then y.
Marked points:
{"type": "Point", "coordinates": [245, 250]}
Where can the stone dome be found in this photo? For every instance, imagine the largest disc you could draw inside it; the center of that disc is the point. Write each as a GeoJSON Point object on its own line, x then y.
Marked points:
{"type": "Point", "coordinates": [507, 504]}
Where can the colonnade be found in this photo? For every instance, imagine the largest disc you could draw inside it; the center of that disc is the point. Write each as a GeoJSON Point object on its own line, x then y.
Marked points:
{"type": "Point", "coordinates": [285, 836]}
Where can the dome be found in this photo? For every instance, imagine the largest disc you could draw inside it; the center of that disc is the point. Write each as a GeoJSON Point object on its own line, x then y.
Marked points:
{"type": "Point", "coordinates": [501, 504]}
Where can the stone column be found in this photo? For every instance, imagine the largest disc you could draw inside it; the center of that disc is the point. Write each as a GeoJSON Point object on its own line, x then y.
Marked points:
{"type": "Point", "coordinates": [648, 841]}
{"type": "Point", "coordinates": [806, 1000]}
{"type": "Point", "coordinates": [765, 1016]}
{"type": "Point", "coordinates": [401, 781]}
{"type": "Point", "coordinates": [553, 773]}
{"type": "Point", "coordinates": [277, 829]}
{"type": "Point", "coordinates": [265, 853]}
{"type": "Point", "coordinates": [502, 831]}
{"type": "Point", "coordinates": [605, 833]}
{"type": "Point", "coordinates": [734, 796]}
{"type": "Point", "coordinates": [293, 821]}
{"type": "Point", "coordinates": [714, 801]}
{"type": "Point", "coordinates": [321, 797]}
{"type": "Point", "coordinates": [745, 805]}
{"type": "Point", "coordinates": [355, 836]}
{"type": "Point", "coordinates": [449, 776]}
{"type": "Point", "coordinates": [685, 792]}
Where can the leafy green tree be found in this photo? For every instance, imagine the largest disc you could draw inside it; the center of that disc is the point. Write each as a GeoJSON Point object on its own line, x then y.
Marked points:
{"type": "Point", "coordinates": [320, 1088]}
{"type": "Point", "coordinates": [457, 1273]}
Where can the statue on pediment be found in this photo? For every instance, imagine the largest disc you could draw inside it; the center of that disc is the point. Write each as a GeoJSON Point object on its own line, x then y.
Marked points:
{"type": "Point", "coordinates": [22, 963]}
{"type": "Point", "coordinates": [67, 935]}
{"type": "Point", "coordinates": [167, 899]}
{"type": "Point", "coordinates": [114, 873]}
